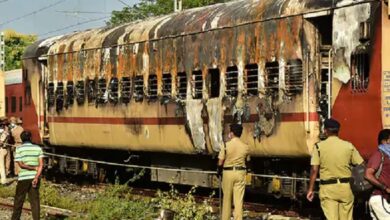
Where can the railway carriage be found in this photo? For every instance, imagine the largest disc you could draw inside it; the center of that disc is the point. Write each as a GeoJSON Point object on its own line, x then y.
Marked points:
{"type": "Point", "coordinates": [165, 89]}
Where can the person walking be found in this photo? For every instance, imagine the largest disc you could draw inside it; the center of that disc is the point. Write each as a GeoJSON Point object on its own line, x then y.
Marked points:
{"type": "Point", "coordinates": [380, 160]}
{"type": "Point", "coordinates": [332, 158]}
{"type": "Point", "coordinates": [232, 160]}
{"type": "Point", "coordinates": [30, 159]}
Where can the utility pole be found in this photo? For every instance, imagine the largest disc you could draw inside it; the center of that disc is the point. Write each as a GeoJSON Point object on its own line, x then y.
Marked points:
{"type": "Point", "coordinates": [2, 52]}
{"type": "Point", "coordinates": [178, 5]}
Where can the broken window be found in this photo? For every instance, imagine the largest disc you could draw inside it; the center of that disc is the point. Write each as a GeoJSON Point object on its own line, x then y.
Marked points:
{"type": "Point", "coordinates": [272, 75]}
{"type": "Point", "coordinates": [152, 87]}
{"type": "Point", "coordinates": [214, 83]}
{"type": "Point", "coordinates": [50, 94]}
{"type": "Point", "coordinates": [232, 81]}
{"type": "Point", "coordinates": [69, 94]}
{"type": "Point", "coordinates": [102, 96]}
{"type": "Point", "coordinates": [80, 92]}
{"type": "Point", "coordinates": [113, 90]}
{"type": "Point", "coordinates": [91, 90]}
{"type": "Point", "coordinates": [167, 85]}
{"type": "Point", "coordinates": [252, 79]}
{"type": "Point", "coordinates": [139, 88]}
{"type": "Point", "coordinates": [181, 85]}
{"type": "Point", "coordinates": [125, 90]}
{"type": "Point", "coordinates": [294, 77]}
{"type": "Point", "coordinates": [360, 69]}
{"type": "Point", "coordinates": [59, 96]}
{"type": "Point", "coordinates": [197, 84]}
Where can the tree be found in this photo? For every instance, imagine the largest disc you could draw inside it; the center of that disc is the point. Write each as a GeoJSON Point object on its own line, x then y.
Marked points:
{"type": "Point", "coordinates": [15, 44]}
{"type": "Point", "coordinates": [150, 8]}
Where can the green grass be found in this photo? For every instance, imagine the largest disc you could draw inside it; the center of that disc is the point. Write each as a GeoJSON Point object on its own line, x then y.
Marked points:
{"type": "Point", "coordinates": [117, 202]}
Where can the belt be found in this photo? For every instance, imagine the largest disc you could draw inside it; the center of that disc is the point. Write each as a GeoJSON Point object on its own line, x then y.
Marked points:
{"type": "Point", "coordinates": [334, 181]}
{"type": "Point", "coordinates": [234, 168]}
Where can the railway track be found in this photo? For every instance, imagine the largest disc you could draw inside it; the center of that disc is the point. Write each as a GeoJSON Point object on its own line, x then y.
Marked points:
{"type": "Point", "coordinates": [49, 211]}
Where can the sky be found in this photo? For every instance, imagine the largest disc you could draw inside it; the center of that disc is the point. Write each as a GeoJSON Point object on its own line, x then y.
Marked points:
{"type": "Point", "coordinates": [47, 18]}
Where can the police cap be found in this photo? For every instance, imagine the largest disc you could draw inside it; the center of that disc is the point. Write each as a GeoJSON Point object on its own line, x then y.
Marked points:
{"type": "Point", "coordinates": [331, 124]}
{"type": "Point", "coordinates": [236, 129]}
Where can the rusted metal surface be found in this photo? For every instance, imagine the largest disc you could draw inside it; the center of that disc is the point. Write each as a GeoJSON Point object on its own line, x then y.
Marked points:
{"type": "Point", "coordinates": [271, 39]}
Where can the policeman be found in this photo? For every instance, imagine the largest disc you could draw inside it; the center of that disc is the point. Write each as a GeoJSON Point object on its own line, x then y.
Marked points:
{"type": "Point", "coordinates": [16, 129]}
{"type": "Point", "coordinates": [3, 149]}
{"type": "Point", "coordinates": [232, 160]}
{"type": "Point", "coordinates": [333, 158]}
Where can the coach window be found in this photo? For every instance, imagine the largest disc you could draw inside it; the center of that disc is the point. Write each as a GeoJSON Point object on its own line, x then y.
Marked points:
{"type": "Point", "coordinates": [360, 69]}
{"type": "Point", "coordinates": [181, 81]}
{"type": "Point", "coordinates": [50, 94]}
{"type": "Point", "coordinates": [252, 79]}
{"type": "Point", "coordinates": [102, 89]}
{"type": "Point", "coordinates": [152, 87]}
{"type": "Point", "coordinates": [213, 83]}
{"type": "Point", "coordinates": [232, 81]}
{"type": "Point", "coordinates": [13, 104]}
{"type": "Point", "coordinates": [125, 90]}
{"type": "Point", "coordinates": [139, 88]}
{"type": "Point", "coordinates": [20, 103]}
{"type": "Point", "coordinates": [197, 84]}
{"type": "Point", "coordinates": [80, 92]}
{"type": "Point", "coordinates": [59, 96]}
{"type": "Point", "coordinates": [6, 104]}
{"type": "Point", "coordinates": [272, 75]}
{"type": "Point", "coordinates": [167, 85]}
{"type": "Point", "coordinates": [91, 89]}
{"type": "Point", "coordinates": [113, 90]}
{"type": "Point", "coordinates": [69, 94]}
{"type": "Point", "coordinates": [294, 76]}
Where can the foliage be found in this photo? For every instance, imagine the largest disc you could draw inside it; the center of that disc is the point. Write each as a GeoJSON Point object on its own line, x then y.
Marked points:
{"type": "Point", "coordinates": [150, 8]}
{"type": "Point", "coordinates": [185, 207]}
{"type": "Point", "coordinates": [117, 202]}
{"type": "Point", "coordinates": [51, 196]}
{"type": "Point", "coordinates": [7, 191]}
{"type": "Point", "coordinates": [15, 44]}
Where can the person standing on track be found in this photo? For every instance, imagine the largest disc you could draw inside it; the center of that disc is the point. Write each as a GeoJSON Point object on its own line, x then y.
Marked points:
{"type": "Point", "coordinates": [232, 160]}
{"type": "Point", "coordinates": [16, 129]}
{"type": "Point", "coordinates": [30, 159]}
{"type": "Point", "coordinates": [333, 158]}
{"type": "Point", "coordinates": [4, 135]}
{"type": "Point", "coordinates": [380, 197]}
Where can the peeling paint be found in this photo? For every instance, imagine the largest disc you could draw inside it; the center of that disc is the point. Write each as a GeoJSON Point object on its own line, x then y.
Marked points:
{"type": "Point", "coordinates": [346, 35]}
{"type": "Point", "coordinates": [195, 122]}
{"type": "Point", "coordinates": [215, 112]}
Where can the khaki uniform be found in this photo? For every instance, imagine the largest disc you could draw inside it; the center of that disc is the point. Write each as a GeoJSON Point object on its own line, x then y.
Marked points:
{"type": "Point", "coordinates": [233, 181]}
{"type": "Point", "coordinates": [335, 157]}
{"type": "Point", "coordinates": [15, 132]}
{"type": "Point", "coordinates": [3, 154]}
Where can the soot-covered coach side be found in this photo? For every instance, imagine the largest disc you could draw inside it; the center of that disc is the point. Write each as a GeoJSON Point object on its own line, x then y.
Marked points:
{"type": "Point", "coordinates": [166, 88]}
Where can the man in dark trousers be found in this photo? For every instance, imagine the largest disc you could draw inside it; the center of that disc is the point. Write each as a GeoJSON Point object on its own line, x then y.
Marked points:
{"type": "Point", "coordinates": [380, 160]}
{"type": "Point", "coordinates": [232, 159]}
{"type": "Point", "coordinates": [333, 158]}
{"type": "Point", "coordinates": [30, 159]}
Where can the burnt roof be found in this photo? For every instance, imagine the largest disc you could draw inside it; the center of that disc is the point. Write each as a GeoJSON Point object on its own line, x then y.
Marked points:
{"type": "Point", "coordinates": [192, 21]}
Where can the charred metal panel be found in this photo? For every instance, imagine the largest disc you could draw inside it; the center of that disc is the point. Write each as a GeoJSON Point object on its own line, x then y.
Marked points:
{"type": "Point", "coordinates": [194, 110]}
{"type": "Point", "coordinates": [215, 123]}
{"type": "Point", "coordinates": [346, 34]}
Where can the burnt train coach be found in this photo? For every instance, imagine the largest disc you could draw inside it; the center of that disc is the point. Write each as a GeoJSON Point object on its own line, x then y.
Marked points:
{"type": "Point", "coordinates": [165, 89]}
